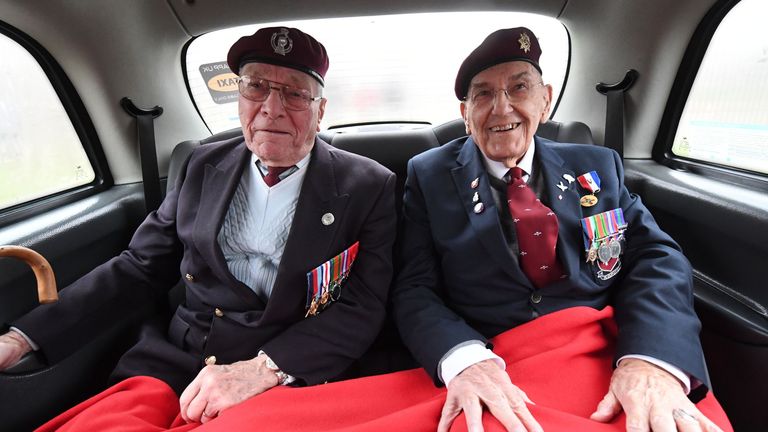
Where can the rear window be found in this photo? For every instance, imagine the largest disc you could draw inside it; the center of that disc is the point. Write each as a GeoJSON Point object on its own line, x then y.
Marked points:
{"type": "Point", "coordinates": [394, 68]}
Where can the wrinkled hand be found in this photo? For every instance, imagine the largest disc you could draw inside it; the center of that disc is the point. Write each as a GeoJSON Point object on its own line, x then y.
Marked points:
{"type": "Point", "coordinates": [652, 399]}
{"type": "Point", "coordinates": [12, 348]}
{"type": "Point", "coordinates": [218, 387]}
{"type": "Point", "coordinates": [485, 383]}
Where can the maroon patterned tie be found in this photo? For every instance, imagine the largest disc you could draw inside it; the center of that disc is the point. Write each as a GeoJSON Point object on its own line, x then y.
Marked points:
{"type": "Point", "coordinates": [273, 175]}
{"type": "Point", "coordinates": [536, 227]}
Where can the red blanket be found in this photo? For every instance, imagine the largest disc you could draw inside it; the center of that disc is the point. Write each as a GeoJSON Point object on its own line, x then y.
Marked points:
{"type": "Point", "coordinates": [562, 361]}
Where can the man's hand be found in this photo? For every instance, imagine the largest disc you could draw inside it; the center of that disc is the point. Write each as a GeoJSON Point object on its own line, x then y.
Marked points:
{"type": "Point", "coordinates": [217, 388]}
{"type": "Point", "coordinates": [485, 383]}
{"type": "Point", "coordinates": [12, 348]}
{"type": "Point", "coordinates": [652, 399]}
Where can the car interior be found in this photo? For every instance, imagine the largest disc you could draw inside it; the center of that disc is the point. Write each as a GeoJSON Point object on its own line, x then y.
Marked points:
{"type": "Point", "coordinates": [632, 70]}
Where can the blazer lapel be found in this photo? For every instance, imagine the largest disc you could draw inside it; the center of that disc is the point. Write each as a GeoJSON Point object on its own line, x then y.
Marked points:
{"type": "Point", "coordinates": [310, 239]}
{"type": "Point", "coordinates": [219, 185]}
{"type": "Point", "coordinates": [486, 221]}
{"type": "Point", "coordinates": [565, 203]}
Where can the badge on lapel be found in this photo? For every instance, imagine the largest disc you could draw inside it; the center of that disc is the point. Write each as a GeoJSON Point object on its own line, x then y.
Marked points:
{"type": "Point", "coordinates": [324, 282]}
{"type": "Point", "coordinates": [604, 241]}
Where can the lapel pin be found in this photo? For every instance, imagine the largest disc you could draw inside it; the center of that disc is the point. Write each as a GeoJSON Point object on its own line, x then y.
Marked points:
{"type": "Point", "coordinates": [569, 178]}
{"type": "Point", "coordinates": [475, 183]}
{"type": "Point", "coordinates": [559, 197]}
{"type": "Point", "coordinates": [562, 186]}
{"type": "Point", "coordinates": [475, 197]}
{"type": "Point", "coordinates": [479, 207]}
{"type": "Point", "coordinates": [327, 219]}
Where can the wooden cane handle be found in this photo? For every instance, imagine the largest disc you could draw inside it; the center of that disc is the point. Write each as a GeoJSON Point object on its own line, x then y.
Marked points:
{"type": "Point", "coordinates": [46, 282]}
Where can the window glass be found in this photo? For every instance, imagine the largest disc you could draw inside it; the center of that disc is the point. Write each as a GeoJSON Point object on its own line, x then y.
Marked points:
{"type": "Point", "coordinates": [394, 68]}
{"type": "Point", "coordinates": [40, 152]}
{"type": "Point", "coordinates": [725, 120]}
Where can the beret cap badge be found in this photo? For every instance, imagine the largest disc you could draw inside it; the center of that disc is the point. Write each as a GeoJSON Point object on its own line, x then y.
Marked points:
{"type": "Point", "coordinates": [281, 42]}
{"type": "Point", "coordinates": [525, 42]}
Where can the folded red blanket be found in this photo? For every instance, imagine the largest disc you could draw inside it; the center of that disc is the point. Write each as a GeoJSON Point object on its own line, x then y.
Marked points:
{"type": "Point", "coordinates": [561, 360]}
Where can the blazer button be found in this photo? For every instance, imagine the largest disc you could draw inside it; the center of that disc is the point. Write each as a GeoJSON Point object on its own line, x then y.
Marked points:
{"type": "Point", "coordinates": [535, 298]}
{"type": "Point", "coordinates": [189, 277]}
{"type": "Point", "coordinates": [218, 312]}
{"type": "Point", "coordinates": [210, 360]}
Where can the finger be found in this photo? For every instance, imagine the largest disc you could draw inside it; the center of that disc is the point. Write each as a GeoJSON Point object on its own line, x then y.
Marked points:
{"type": "Point", "coordinates": [685, 421]}
{"type": "Point", "coordinates": [187, 396]}
{"type": "Point", "coordinates": [661, 420]}
{"type": "Point", "coordinates": [196, 408]}
{"type": "Point", "coordinates": [208, 414]}
{"type": "Point", "coordinates": [607, 409]}
{"type": "Point", "coordinates": [448, 415]}
{"type": "Point", "coordinates": [510, 417]}
{"type": "Point", "coordinates": [528, 420]}
{"type": "Point", "coordinates": [473, 412]}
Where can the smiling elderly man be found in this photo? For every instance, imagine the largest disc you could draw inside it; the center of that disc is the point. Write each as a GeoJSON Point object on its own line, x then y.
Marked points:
{"type": "Point", "coordinates": [285, 247]}
{"type": "Point", "coordinates": [504, 227]}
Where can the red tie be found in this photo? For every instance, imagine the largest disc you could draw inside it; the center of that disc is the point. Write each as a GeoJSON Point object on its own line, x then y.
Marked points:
{"type": "Point", "coordinates": [273, 175]}
{"type": "Point", "coordinates": [536, 227]}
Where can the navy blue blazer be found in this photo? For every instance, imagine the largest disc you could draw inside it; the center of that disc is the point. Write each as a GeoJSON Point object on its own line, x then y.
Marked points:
{"type": "Point", "coordinates": [459, 281]}
{"type": "Point", "coordinates": [221, 316]}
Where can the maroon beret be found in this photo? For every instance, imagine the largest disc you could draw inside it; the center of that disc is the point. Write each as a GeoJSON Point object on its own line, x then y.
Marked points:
{"type": "Point", "coordinates": [281, 46]}
{"type": "Point", "coordinates": [500, 46]}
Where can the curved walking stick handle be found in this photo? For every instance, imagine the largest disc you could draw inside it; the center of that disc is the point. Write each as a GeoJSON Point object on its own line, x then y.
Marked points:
{"type": "Point", "coordinates": [46, 282]}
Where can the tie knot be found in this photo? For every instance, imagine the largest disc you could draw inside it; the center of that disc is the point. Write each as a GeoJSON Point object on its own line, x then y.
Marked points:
{"type": "Point", "coordinates": [516, 173]}
{"type": "Point", "coordinates": [273, 175]}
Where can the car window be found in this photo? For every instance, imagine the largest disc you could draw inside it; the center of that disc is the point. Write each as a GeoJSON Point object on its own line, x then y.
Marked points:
{"type": "Point", "coordinates": [725, 120]}
{"type": "Point", "coordinates": [40, 151]}
{"type": "Point", "coordinates": [395, 68]}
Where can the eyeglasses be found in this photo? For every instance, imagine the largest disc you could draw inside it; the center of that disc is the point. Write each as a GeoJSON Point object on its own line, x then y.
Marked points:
{"type": "Point", "coordinates": [258, 89]}
{"type": "Point", "coordinates": [515, 93]}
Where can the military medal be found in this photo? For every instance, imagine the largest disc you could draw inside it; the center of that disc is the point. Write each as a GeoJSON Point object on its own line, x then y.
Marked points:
{"type": "Point", "coordinates": [591, 182]}
{"type": "Point", "coordinates": [603, 235]}
{"type": "Point", "coordinates": [324, 282]}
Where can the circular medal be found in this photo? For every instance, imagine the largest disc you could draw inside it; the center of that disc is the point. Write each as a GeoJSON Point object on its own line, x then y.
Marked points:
{"type": "Point", "coordinates": [588, 200]}
{"type": "Point", "coordinates": [615, 248]}
{"type": "Point", "coordinates": [592, 255]}
{"type": "Point", "coordinates": [604, 253]}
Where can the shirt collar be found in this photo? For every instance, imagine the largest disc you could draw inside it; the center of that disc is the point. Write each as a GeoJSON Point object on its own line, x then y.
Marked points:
{"type": "Point", "coordinates": [258, 168]}
{"type": "Point", "coordinates": [499, 170]}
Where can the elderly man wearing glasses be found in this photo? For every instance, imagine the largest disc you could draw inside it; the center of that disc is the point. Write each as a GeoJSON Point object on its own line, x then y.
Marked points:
{"type": "Point", "coordinates": [284, 246]}
{"type": "Point", "coordinates": [506, 230]}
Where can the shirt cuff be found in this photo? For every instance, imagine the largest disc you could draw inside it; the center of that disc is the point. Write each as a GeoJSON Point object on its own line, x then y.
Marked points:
{"type": "Point", "coordinates": [463, 356]}
{"type": "Point", "coordinates": [288, 379]}
{"type": "Point", "coordinates": [31, 343]}
{"type": "Point", "coordinates": [678, 373]}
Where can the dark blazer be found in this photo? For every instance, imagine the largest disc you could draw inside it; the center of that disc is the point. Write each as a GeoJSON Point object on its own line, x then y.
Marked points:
{"type": "Point", "coordinates": [459, 281]}
{"type": "Point", "coordinates": [223, 317]}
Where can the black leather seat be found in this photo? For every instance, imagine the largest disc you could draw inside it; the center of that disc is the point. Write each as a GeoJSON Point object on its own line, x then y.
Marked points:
{"type": "Point", "coordinates": [393, 149]}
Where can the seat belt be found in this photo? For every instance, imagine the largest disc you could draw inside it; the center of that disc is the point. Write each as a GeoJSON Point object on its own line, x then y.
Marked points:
{"type": "Point", "coordinates": [145, 131]}
{"type": "Point", "coordinates": [614, 115]}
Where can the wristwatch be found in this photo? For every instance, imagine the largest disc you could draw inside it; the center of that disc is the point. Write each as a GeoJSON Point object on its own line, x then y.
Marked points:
{"type": "Point", "coordinates": [282, 377]}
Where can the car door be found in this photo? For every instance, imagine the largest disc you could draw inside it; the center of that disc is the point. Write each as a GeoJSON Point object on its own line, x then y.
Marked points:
{"type": "Point", "coordinates": [56, 198]}
{"type": "Point", "coordinates": [706, 186]}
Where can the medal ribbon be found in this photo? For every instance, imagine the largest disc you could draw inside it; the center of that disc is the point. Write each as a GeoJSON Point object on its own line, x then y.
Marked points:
{"type": "Point", "coordinates": [330, 274]}
{"type": "Point", "coordinates": [590, 181]}
{"type": "Point", "coordinates": [602, 225]}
